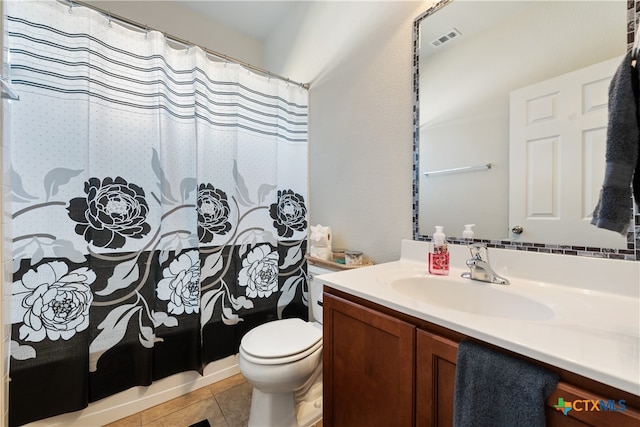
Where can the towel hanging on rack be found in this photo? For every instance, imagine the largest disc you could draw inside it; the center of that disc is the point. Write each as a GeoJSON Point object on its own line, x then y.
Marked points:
{"type": "Point", "coordinates": [485, 376]}
{"type": "Point", "coordinates": [622, 170]}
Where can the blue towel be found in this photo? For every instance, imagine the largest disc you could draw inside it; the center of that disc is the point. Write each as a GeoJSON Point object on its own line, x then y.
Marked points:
{"type": "Point", "coordinates": [496, 390]}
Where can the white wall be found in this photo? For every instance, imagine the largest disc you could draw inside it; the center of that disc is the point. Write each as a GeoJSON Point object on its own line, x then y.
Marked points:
{"type": "Point", "coordinates": [358, 58]}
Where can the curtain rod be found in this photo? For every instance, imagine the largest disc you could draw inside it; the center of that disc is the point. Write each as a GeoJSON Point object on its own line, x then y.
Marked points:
{"type": "Point", "coordinates": [186, 43]}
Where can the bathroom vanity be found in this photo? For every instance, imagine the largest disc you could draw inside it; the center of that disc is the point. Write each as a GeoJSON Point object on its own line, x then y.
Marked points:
{"type": "Point", "coordinates": [390, 351]}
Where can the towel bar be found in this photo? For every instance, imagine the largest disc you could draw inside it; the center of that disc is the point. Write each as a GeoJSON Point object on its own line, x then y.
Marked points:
{"type": "Point", "coordinates": [456, 170]}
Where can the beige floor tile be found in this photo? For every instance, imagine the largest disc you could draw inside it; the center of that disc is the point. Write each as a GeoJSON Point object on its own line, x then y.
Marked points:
{"type": "Point", "coordinates": [174, 405]}
{"type": "Point", "coordinates": [226, 384]}
{"type": "Point", "coordinates": [131, 421]}
{"type": "Point", "coordinates": [196, 412]}
{"type": "Point", "coordinates": [235, 404]}
{"type": "Point", "coordinates": [224, 404]}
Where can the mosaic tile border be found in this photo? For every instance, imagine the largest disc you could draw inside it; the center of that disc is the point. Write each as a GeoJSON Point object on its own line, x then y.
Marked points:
{"type": "Point", "coordinates": [632, 253]}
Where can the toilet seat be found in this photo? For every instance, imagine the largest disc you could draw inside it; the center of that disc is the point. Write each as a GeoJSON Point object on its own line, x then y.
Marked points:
{"type": "Point", "coordinates": [280, 360]}
{"type": "Point", "coordinates": [280, 341]}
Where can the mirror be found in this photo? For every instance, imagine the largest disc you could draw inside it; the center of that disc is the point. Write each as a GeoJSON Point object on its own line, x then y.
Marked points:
{"type": "Point", "coordinates": [473, 61]}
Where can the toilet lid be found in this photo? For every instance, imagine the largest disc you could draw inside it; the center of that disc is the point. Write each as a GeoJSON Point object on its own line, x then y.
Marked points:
{"type": "Point", "coordinates": [280, 338]}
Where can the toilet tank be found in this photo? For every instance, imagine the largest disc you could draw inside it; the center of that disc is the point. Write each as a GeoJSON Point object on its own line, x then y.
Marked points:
{"type": "Point", "coordinates": [315, 292]}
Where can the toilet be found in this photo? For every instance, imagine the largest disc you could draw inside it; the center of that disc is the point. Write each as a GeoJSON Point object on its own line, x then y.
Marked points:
{"type": "Point", "coordinates": [282, 360]}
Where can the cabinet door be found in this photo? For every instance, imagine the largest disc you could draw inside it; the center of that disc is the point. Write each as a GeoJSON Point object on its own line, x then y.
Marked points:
{"type": "Point", "coordinates": [368, 366]}
{"type": "Point", "coordinates": [435, 379]}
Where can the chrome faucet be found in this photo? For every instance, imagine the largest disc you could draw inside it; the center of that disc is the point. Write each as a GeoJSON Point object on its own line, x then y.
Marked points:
{"type": "Point", "coordinates": [479, 266]}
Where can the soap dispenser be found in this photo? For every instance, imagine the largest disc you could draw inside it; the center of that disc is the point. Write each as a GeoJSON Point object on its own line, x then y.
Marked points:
{"type": "Point", "coordinates": [439, 253]}
{"type": "Point", "coordinates": [468, 233]}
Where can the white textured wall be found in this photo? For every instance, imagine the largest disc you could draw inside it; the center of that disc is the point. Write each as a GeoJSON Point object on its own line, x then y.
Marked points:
{"type": "Point", "coordinates": [358, 58]}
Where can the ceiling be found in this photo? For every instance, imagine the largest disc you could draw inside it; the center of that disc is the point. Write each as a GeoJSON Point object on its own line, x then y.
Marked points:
{"type": "Point", "coordinates": [253, 17]}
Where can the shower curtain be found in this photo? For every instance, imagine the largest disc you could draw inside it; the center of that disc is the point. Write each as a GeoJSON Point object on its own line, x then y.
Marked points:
{"type": "Point", "coordinates": [158, 206]}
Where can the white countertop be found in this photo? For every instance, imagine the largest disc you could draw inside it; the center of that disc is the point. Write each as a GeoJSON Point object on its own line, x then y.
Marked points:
{"type": "Point", "coordinates": [592, 332]}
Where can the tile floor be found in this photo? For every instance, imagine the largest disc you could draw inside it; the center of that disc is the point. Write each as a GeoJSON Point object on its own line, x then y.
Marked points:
{"type": "Point", "coordinates": [225, 404]}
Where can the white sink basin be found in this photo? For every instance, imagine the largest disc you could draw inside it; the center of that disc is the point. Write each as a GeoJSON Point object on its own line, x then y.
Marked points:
{"type": "Point", "coordinates": [472, 297]}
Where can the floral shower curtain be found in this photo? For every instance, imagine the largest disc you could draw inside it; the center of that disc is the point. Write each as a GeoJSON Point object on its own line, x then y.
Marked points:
{"type": "Point", "coordinates": [158, 203]}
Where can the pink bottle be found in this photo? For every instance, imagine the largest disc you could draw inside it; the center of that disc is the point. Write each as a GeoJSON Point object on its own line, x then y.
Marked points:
{"type": "Point", "coordinates": [439, 253]}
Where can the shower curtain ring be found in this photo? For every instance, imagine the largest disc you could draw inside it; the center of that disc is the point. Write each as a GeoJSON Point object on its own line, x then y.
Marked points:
{"type": "Point", "coordinates": [70, 6]}
{"type": "Point", "coordinates": [110, 18]}
{"type": "Point", "coordinates": [146, 31]}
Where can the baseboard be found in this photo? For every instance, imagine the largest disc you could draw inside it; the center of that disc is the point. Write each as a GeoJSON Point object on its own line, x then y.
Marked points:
{"type": "Point", "coordinates": [138, 399]}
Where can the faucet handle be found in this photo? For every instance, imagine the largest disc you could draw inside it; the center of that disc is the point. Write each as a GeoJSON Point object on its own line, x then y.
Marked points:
{"type": "Point", "coordinates": [480, 267]}
{"type": "Point", "coordinates": [479, 251]}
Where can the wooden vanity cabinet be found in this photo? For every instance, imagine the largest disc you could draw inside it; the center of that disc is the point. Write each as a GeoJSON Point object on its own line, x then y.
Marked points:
{"type": "Point", "coordinates": [370, 361]}
{"type": "Point", "coordinates": [385, 368]}
{"type": "Point", "coordinates": [435, 378]}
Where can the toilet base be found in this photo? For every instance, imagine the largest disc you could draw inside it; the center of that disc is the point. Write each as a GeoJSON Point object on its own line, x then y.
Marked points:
{"type": "Point", "coordinates": [309, 410]}
{"type": "Point", "coordinates": [282, 409]}
{"type": "Point", "coordinates": [270, 409]}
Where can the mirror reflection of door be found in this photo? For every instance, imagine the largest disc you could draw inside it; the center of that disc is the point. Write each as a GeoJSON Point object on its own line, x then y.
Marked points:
{"type": "Point", "coordinates": [464, 87]}
{"type": "Point", "coordinates": [557, 148]}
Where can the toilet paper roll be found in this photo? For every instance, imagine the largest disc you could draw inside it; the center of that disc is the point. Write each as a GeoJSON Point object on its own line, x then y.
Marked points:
{"type": "Point", "coordinates": [321, 252]}
{"type": "Point", "coordinates": [320, 236]}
